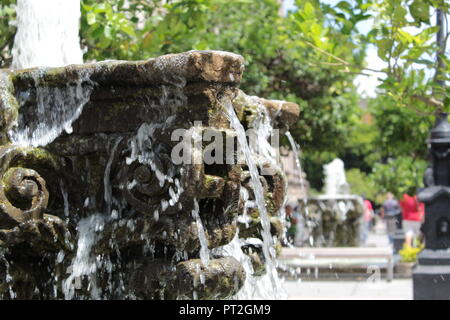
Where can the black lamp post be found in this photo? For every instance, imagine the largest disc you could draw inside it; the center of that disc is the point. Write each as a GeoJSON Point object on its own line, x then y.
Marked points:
{"type": "Point", "coordinates": [431, 275]}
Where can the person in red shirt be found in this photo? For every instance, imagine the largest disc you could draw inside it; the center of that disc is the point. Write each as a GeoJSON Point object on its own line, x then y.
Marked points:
{"type": "Point", "coordinates": [413, 213]}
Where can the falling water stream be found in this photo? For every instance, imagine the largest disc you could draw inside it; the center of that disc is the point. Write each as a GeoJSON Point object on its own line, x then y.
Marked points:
{"type": "Point", "coordinates": [47, 34]}
{"type": "Point", "coordinates": [268, 250]}
{"type": "Point", "coordinates": [296, 151]}
{"type": "Point", "coordinates": [46, 39]}
{"type": "Point", "coordinates": [204, 250]}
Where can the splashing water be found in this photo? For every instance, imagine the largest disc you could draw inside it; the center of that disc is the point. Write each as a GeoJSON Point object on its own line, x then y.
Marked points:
{"type": "Point", "coordinates": [268, 251]}
{"type": "Point", "coordinates": [254, 287]}
{"type": "Point", "coordinates": [84, 263]}
{"type": "Point", "coordinates": [56, 110]}
{"type": "Point", "coordinates": [47, 34]}
{"type": "Point", "coordinates": [90, 230]}
{"type": "Point", "coordinates": [141, 151]}
{"type": "Point", "coordinates": [262, 125]}
{"type": "Point", "coordinates": [204, 250]}
{"type": "Point", "coordinates": [248, 204]}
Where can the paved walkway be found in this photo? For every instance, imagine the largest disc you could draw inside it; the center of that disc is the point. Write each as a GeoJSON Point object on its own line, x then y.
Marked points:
{"type": "Point", "coordinates": [349, 290]}
{"type": "Point", "coordinates": [363, 289]}
{"type": "Point", "coordinates": [378, 237]}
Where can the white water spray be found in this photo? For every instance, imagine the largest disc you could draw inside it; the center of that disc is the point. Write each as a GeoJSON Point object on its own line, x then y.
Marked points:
{"type": "Point", "coordinates": [47, 34]}
{"type": "Point", "coordinates": [268, 250]}
{"type": "Point", "coordinates": [204, 250]}
{"type": "Point", "coordinates": [56, 110]}
{"type": "Point", "coordinates": [335, 181]}
{"type": "Point", "coordinates": [84, 263]}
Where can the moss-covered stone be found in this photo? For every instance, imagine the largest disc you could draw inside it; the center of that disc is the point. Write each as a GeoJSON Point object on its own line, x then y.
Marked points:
{"type": "Point", "coordinates": [329, 227]}
{"type": "Point", "coordinates": [220, 279]}
{"type": "Point", "coordinates": [148, 231]}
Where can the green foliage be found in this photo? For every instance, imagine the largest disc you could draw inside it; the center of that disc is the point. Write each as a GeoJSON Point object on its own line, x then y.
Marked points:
{"type": "Point", "coordinates": [392, 149]}
{"type": "Point", "coordinates": [399, 175]}
{"type": "Point", "coordinates": [385, 151]}
{"type": "Point", "coordinates": [7, 30]}
{"type": "Point", "coordinates": [312, 164]}
{"type": "Point", "coordinates": [404, 36]}
{"type": "Point", "coordinates": [106, 30]}
{"type": "Point", "coordinates": [360, 184]}
{"type": "Point", "coordinates": [400, 131]}
{"type": "Point", "coordinates": [139, 29]}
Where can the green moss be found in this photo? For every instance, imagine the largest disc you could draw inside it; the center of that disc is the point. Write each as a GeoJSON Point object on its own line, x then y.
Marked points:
{"type": "Point", "coordinates": [35, 158]}
{"type": "Point", "coordinates": [209, 180]}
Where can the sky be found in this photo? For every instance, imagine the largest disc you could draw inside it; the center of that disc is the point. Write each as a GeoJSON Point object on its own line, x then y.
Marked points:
{"type": "Point", "coordinates": [366, 84]}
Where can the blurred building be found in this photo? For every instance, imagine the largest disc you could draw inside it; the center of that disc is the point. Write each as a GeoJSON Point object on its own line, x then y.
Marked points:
{"type": "Point", "coordinates": [298, 186]}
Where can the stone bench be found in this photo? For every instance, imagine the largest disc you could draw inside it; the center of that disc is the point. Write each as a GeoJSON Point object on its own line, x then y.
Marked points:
{"type": "Point", "coordinates": [315, 257]}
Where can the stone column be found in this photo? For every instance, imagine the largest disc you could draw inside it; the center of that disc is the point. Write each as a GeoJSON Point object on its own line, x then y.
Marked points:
{"type": "Point", "coordinates": [431, 275]}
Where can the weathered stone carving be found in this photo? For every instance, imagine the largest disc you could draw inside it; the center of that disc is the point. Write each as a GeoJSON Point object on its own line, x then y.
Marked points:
{"type": "Point", "coordinates": [331, 221]}
{"type": "Point", "coordinates": [88, 188]}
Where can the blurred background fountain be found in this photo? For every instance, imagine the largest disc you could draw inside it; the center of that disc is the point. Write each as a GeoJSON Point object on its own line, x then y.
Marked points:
{"type": "Point", "coordinates": [335, 180]}
{"type": "Point", "coordinates": [333, 219]}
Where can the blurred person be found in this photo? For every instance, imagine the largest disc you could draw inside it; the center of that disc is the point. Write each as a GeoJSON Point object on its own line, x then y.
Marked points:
{"type": "Point", "coordinates": [292, 220]}
{"type": "Point", "coordinates": [390, 212]}
{"type": "Point", "coordinates": [413, 213]}
{"type": "Point", "coordinates": [367, 219]}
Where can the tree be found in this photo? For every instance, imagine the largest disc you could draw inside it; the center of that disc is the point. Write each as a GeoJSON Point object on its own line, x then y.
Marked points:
{"type": "Point", "coordinates": [399, 175]}
{"type": "Point", "coordinates": [404, 35]}
{"type": "Point", "coordinates": [392, 150]}
{"type": "Point", "coordinates": [7, 31]}
{"type": "Point", "coordinates": [310, 57]}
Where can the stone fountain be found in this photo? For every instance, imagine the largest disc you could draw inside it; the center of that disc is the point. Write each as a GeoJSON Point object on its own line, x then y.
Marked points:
{"type": "Point", "coordinates": [92, 204]}
{"type": "Point", "coordinates": [334, 218]}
